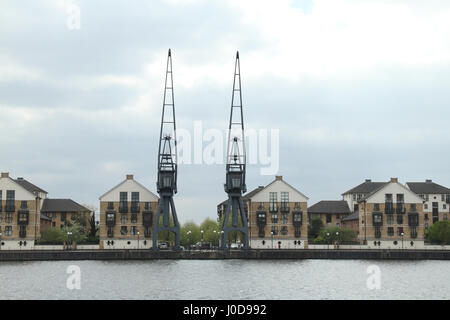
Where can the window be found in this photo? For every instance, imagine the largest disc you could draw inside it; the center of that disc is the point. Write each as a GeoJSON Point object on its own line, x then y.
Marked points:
{"type": "Point", "coordinates": [399, 219]}
{"type": "Point", "coordinates": [123, 204]}
{"type": "Point", "coordinates": [135, 202]}
{"type": "Point", "coordinates": [284, 231]}
{"type": "Point", "coordinates": [274, 230]}
{"type": "Point", "coordinates": [388, 197]}
{"type": "Point", "coordinates": [400, 230]}
{"type": "Point", "coordinates": [426, 197]}
{"type": "Point", "coordinates": [273, 207]}
{"type": "Point", "coordinates": [425, 206]}
{"type": "Point", "coordinates": [134, 218]}
{"type": "Point", "coordinates": [390, 219]}
{"type": "Point", "coordinates": [133, 231]}
{"type": "Point", "coordinates": [297, 232]}
{"type": "Point", "coordinates": [285, 201]}
{"type": "Point", "coordinates": [376, 207]}
{"type": "Point", "coordinates": [360, 196]}
{"type": "Point", "coordinates": [124, 218]}
{"type": "Point", "coordinates": [400, 198]}
{"type": "Point", "coordinates": [413, 232]}
{"type": "Point", "coordinates": [10, 198]}
{"type": "Point", "coordinates": [123, 230]}
{"type": "Point", "coordinates": [284, 218]}
{"type": "Point", "coordinates": [110, 218]}
{"type": "Point", "coordinates": [23, 205]}
{"type": "Point", "coordinates": [22, 231]}
{"type": "Point", "coordinates": [110, 232]}
{"type": "Point", "coordinates": [110, 205]}
{"type": "Point", "coordinates": [328, 217]}
{"type": "Point", "coordinates": [147, 206]}
{"type": "Point", "coordinates": [377, 219]}
{"type": "Point", "coordinates": [147, 232]}
{"type": "Point", "coordinates": [274, 217]}
{"type": "Point", "coordinates": [8, 231]}
{"type": "Point", "coordinates": [354, 197]}
{"type": "Point", "coordinates": [377, 232]}
{"type": "Point", "coordinates": [8, 217]}
{"type": "Point", "coordinates": [63, 216]}
{"type": "Point", "coordinates": [413, 207]}
{"type": "Point", "coordinates": [445, 217]}
{"type": "Point", "coordinates": [390, 231]}
{"type": "Point", "coordinates": [444, 206]}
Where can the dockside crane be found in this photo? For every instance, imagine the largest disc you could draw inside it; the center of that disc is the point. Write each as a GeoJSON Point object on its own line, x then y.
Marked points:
{"type": "Point", "coordinates": [235, 165]}
{"type": "Point", "coordinates": [167, 164]}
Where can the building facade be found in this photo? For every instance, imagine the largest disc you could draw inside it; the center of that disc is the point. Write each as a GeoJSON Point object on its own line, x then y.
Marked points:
{"type": "Point", "coordinates": [63, 211]}
{"type": "Point", "coordinates": [127, 216]}
{"type": "Point", "coordinates": [436, 201]}
{"type": "Point", "coordinates": [391, 217]}
{"type": "Point", "coordinates": [331, 212]}
{"type": "Point", "coordinates": [277, 217]}
{"type": "Point", "coordinates": [20, 214]}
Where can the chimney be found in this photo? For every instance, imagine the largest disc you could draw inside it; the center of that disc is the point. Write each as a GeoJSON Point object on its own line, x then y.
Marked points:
{"type": "Point", "coordinates": [394, 180]}
{"type": "Point", "coordinates": [428, 181]}
{"type": "Point", "coordinates": [5, 174]}
{"type": "Point", "coordinates": [368, 181]}
{"type": "Point", "coordinates": [278, 178]}
{"type": "Point", "coordinates": [129, 177]}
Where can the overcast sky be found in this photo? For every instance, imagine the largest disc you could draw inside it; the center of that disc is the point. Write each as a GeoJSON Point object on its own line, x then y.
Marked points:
{"type": "Point", "coordinates": [358, 89]}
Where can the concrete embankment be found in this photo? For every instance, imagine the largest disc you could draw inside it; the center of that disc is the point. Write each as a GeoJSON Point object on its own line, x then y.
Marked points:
{"type": "Point", "coordinates": [30, 255]}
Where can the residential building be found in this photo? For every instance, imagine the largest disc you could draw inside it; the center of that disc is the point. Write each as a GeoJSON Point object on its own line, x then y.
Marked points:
{"type": "Point", "coordinates": [20, 214]}
{"type": "Point", "coordinates": [357, 193]}
{"type": "Point", "coordinates": [62, 211]}
{"type": "Point", "coordinates": [331, 212]}
{"type": "Point", "coordinates": [277, 216]}
{"type": "Point", "coordinates": [391, 217]}
{"type": "Point", "coordinates": [127, 216]}
{"type": "Point", "coordinates": [436, 200]}
{"type": "Point", "coordinates": [351, 222]}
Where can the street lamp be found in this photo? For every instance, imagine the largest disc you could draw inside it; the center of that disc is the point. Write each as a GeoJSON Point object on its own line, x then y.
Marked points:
{"type": "Point", "coordinates": [0, 240]}
{"type": "Point", "coordinates": [221, 236]}
{"type": "Point", "coordinates": [402, 234]}
{"type": "Point", "coordinates": [138, 239]}
{"type": "Point", "coordinates": [202, 236]}
{"type": "Point", "coordinates": [69, 233]}
{"type": "Point", "coordinates": [189, 239]}
{"type": "Point", "coordinates": [337, 238]}
{"type": "Point", "coordinates": [328, 241]}
{"type": "Point", "coordinates": [271, 232]}
{"type": "Point", "coordinates": [216, 236]}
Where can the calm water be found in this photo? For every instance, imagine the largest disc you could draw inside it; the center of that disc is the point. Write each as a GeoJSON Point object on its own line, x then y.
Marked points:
{"type": "Point", "coordinates": [226, 279]}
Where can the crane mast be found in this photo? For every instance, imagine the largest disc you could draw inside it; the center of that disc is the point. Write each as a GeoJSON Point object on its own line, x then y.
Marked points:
{"type": "Point", "coordinates": [167, 164]}
{"type": "Point", "coordinates": [235, 165]}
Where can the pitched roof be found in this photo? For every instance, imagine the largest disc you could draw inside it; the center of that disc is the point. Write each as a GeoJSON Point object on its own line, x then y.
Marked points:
{"type": "Point", "coordinates": [353, 216]}
{"type": "Point", "coordinates": [366, 187]}
{"type": "Point", "coordinates": [247, 195]}
{"type": "Point", "coordinates": [44, 217]}
{"type": "Point", "coordinates": [62, 205]}
{"type": "Point", "coordinates": [427, 187]}
{"type": "Point", "coordinates": [29, 186]}
{"type": "Point", "coordinates": [330, 206]}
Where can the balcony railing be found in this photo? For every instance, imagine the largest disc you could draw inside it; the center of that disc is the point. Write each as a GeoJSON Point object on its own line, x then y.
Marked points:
{"type": "Point", "coordinates": [297, 218]}
{"type": "Point", "coordinates": [111, 219]}
{"type": "Point", "coordinates": [123, 207]}
{"type": "Point", "coordinates": [10, 206]}
{"type": "Point", "coordinates": [400, 209]}
{"type": "Point", "coordinates": [135, 207]}
{"type": "Point", "coordinates": [388, 207]}
{"type": "Point", "coordinates": [377, 219]}
{"type": "Point", "coordinates": [413, 219]}
{"type": "Point", "coordinates": [284, 207]}
{"type": "Point", "coordinates": [273, 207]}
{"type": "Point", "coordinates": [147, 218]}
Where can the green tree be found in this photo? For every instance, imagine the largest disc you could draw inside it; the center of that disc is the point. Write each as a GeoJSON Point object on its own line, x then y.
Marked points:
{"type": "Point", "coordinates": [315, 228]}
{"type": "Point", "coordinates": [209, 226]}
{"type": "Point", "coordinates": [52, 235]}
{"type": "Point", "coordinates": [335, 234]}
{"type": "Point", "coordinates": [194, 237]}
{"type": "Point", "coordinates": [76, 231]}
{"type": "Point", "coordinates": [439, 232]}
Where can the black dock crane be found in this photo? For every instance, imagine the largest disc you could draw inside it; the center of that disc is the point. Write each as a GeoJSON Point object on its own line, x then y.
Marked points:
{"type": "Point", "coordinates": [235, 165]}
{"type": "Point", "coordinates": [167, 164]}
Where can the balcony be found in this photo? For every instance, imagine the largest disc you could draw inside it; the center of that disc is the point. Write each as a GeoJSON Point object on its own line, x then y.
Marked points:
{"type": "Point", "coordinates": [284, 207]}
{"type": "Point", "coordinates": [273, 207]}
{"type": "Point", "coordinates": [261, 218]}
{"type": "Point", "coordinates": [123, 207]}
{"type": "Point", "coordinates": [389, 208]}
{"type": "Point", "coordinates": [377, 219]}
{"type": "Point", "coordinates": [23, 217]}
{"type": "Point", "coordinates": [135, 207]}
{"type": "Point", "coordinates": [23, 233]}
{"type": "Point", "coordinates": [111, 219]}
{"type": "Point", "coordinates": [413, 219]}
{"type": "Point", "coordinates": [400, 209]}
{"type": "Point", "coordinates": [297, 218]}
{"type": "Point", "coordinates": [10, 206]}
{"type": "Point", "coordinates": [147, 218]}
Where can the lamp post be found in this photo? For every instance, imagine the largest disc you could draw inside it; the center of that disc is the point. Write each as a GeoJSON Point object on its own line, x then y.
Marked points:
{"type": "Point", "coordinates": [202, 239]}
{"type": "Point", "coordinates": [271, 232]}
{"type": "Point", "coordinates": [337, 239]}
{"type": "Point", "coordinates": [328, 241]}
{"type": "Point", "coordinates": [189, 239]}
{"type": "Point", "coordinates": [138, 239]}
{"type": "Point", "coordinates": [215, 233]}
{"type": "Point", "coordinates": [402, 234]}
{"type": "Point", "coordinates": [221, 235]}
{"type": "Point", "coordinates": [0, 240]}
{"type": "Point", "coordinates": [69, 233]}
